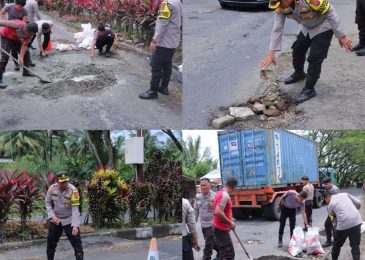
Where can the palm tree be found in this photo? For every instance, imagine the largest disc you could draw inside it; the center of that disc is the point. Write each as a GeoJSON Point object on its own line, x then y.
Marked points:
{"type": "Point", "coordinates": [16, 144]}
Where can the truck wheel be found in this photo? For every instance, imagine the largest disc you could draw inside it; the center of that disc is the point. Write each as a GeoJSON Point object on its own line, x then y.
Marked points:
{"type": "Point", "coordinates": [224, 6]}
{"type": "Point", "coordinates": [317, 200]}
{"type": "Point", "coordinates": [271, 212]}
{"type": "Point", "coordinates": [241, 214]}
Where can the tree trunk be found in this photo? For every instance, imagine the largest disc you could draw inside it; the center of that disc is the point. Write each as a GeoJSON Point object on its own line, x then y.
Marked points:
{"type": "Point", "coordinates": [109, 148]}
{"type": "Point", "coordinates": [94, 150]}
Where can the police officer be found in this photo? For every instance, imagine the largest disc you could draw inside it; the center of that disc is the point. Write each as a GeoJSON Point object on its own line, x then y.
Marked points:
{"type": "Point", "coordinates": [62, 201]}
{"type": "Point", "coordinates": [328, 225]}
{"type": "Point", "coordinates": [320, 21]}
{"type": "Point", "coordinates": [165, 41]}
{"type": "Point", "coordinates": [203, 208]}
{"type": "Point", "coordinates": [360, 20]}
{"type": "Point", "coordinates": [343, 209]}
{"type": "Point", "coordinates": [16, 35]}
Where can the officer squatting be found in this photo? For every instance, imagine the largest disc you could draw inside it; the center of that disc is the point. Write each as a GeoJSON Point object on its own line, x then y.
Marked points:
{"type": "Point", "coordinates": [165, 41]}
{"type": "Point", "coordinates": [215, 213]}
{"type": "Point", "coordinates": [319, 22]}
{"type": "Point", "coordinates": [62, 204]}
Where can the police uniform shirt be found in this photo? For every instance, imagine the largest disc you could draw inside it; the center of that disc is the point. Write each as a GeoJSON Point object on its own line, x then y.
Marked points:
{"type": "Point", "coordinates": [168, 24]}
{"type": "Point", "coordinates": [316, 16]}
{"type": "Point", "coordinates": [64, 205]}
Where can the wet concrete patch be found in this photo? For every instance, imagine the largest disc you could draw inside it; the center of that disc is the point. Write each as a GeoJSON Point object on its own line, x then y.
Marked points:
{"type": "Point", "coordinates": [85, 80]}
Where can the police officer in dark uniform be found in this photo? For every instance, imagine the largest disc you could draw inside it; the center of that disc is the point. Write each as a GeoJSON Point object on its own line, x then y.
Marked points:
{"type": "Point", "coordinates": [62, 204]}
{"type": "Point", "coordinates": [165, 41]}
{"type": "Point", "coordinates": [320, 21]}
{"type": "Point", "coordinates": [360, 20]}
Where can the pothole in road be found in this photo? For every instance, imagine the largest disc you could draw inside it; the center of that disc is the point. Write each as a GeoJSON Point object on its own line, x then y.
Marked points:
{"type": "Point", "coordinates": [273, 257]}
{"type": "Point", "coordinates": [86, 80]}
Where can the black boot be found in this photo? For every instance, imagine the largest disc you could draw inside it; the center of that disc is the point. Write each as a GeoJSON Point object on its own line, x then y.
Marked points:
{"type": "Point", "coordinates": [26, 73]}
{"type": "Point", "coordinates": [308, 91]}
{"type": "Point", "coordinates": [327, 243]}
{"type": "Point", "coordinates": [50, 255]}
{"type": "Point", "coordinates": [100, 52]}
{"type": "Point", "coordinates": [295, 77]}
{"type": "Point", "coordinates": [361, 52]}
{"type": "Point", "coordinates": [2, 84]}
{"type": "Point", "coordinates": [108, 54]}
{"type": "Point", "coordinates": [79, 256]}
{"type": "Point", "coordinates": [280, 243]}
{"type": "Point", "coordinates": [149, 94]}
{"type": "Point", "coordinates": [163, 91]}
{"type": "Point", "coordinates": [358, 46]}
{"type": "Point", "coordinates": [16, 67]}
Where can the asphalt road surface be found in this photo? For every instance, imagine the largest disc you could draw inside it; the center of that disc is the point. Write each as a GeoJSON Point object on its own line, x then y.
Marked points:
{"type": "Point", "coordinates": [222, 49]}
{"type": "Point", "coordinates": [264, 234]}
{"type": "Point", "coordinates": [110, 103]}
{"type": "Point", "coordinates": [102, 247]}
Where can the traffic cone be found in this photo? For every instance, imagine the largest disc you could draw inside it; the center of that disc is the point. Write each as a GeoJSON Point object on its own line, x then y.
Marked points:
{"type": "Point", "coordinates": [153, 252]}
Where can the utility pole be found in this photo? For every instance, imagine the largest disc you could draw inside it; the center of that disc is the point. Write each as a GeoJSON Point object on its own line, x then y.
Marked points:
{"type": "Point", "coordinates": [140, 175]}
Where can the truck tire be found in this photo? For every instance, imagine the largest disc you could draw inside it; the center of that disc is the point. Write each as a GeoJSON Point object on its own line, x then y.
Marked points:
{"type": "Point", "coordinates": [241, 214]}
{"type": "Point", "coordinates": [317, 200]}
{"type": "Point", "coordinates": [224, 6]}
{"type": "Point", "coordinates": [271, 212]}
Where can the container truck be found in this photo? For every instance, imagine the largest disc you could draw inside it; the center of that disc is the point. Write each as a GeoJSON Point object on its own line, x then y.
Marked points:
{"type": "Point", "coordinates": [266, 163]}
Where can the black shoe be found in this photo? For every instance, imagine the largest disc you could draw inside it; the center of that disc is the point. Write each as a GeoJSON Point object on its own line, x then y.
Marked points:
{"type": "Point", "coordinates": [361, 52]}
{"type": "Point", "coordinates": [280, 243]}
{"type": "Point", "coordinates": [2, 84]}
{"type": "Point", "coordinates": [358, 47]}
{"type": "Point", "coordinates": [149, 94]}
{"type": "Point", "coordinates": [327, 244]}
{"type": "Point", "coordinates": [163, 91]}
{"type": "Point", "coordinates": [16, 67]}
{"type": "Point", "coordinates": [27, 74]}
{"type": "Point", "coordinates": [100, 52]}
{"type": "Point", "coordinates": [108, 54]}
{"type": "Point", "coordinates": [295, 77]}
{"type": "Point", "coordinates": [32, 64]}
{"type": "Point", "coordinates": [305, 95]}
{"type": "Point", "coordinates": [305, 229]}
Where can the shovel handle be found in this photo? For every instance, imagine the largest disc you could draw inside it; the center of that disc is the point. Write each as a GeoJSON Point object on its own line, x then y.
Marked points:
{"type": "Point", "coordinates": [243, 247]}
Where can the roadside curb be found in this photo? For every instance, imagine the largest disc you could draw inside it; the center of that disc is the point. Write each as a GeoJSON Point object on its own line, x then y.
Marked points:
{"type": "Point", "coordinates": [158, 231]}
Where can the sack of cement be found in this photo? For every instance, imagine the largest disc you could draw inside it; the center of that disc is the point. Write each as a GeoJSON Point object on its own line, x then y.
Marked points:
{"type": "Point", "coordinates": [363, 227]}
{"type": "Point", "coordinates": [86, 37]}
{"type": "Point", "coordinates": [312, 243]}
{"type": "Point", "coordinates": [296, 243]}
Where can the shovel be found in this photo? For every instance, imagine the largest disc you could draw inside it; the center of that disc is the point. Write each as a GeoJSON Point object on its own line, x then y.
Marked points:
{"type": "Point", "coordinates": [42, 79]}
{"type": "Point", "coordinates": [243, 247]}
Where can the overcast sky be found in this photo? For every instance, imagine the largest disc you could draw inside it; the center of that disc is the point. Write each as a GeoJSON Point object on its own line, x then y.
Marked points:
{"type": "Point", "coordinates": [209, 138]}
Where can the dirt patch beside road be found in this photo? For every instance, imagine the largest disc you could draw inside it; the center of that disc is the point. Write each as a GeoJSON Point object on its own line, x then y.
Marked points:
{"type": "Point", "coordinates": [339, 103]}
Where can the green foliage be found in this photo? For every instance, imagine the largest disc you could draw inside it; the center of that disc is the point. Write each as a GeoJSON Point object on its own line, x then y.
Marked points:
{"type": "Point", "coordinates": [139, 201]}
{"type": "Point", "coordinates": [344, 151]}
{"type": "Point", "coordinates": [197, 163]}
{"type": "Point", "coordinates": [80, 168]}
{"type": "Point", "coordinates": [107, 195]}
{"type": "Point", "coordinates": [165, 178]}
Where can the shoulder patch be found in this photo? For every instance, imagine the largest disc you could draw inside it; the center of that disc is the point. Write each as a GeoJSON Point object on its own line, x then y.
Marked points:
{"type": "Point", "coordinates": [75, 198]}
{"type": "Point", "coordinates": [164, 12]}
{"type": "Point", "coordinates": [320, 6]}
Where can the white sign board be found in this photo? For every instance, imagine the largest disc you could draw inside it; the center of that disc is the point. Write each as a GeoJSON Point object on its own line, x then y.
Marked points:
{"type": "Point", "coordinates": [279, 173]}
{"type": "Point", "coordinates": [134, 150]}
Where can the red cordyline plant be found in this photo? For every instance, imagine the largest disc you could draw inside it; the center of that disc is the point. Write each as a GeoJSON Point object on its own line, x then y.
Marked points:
{"type": "Point", "coordinates": [8, 184]}
{"type": "Point", "coordinates": [26, 194]}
